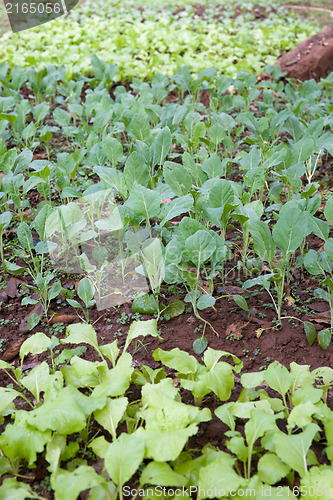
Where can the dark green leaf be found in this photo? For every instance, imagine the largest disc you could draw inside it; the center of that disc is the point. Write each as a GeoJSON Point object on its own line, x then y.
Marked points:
{"type": "Point", "coordinates": [199, 345]}
{"type": "Point", "coordinates": [310, 331]}
{"type": "Point", "coordinates": [145, 304]}
{"type": "Point", "coordinates": [324, 338]}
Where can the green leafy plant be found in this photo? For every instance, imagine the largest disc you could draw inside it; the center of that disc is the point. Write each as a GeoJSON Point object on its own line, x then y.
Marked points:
{"type": "Point", "coordinates": [288, 234]}
{"type": "Point", "coordinates": [85, 291]}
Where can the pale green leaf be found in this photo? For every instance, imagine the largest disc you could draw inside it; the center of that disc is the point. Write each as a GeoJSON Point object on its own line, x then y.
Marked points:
{"type": "Point", "coordinates": [123, 457]}
{"type": "Point", "coordinates": [109, 416]}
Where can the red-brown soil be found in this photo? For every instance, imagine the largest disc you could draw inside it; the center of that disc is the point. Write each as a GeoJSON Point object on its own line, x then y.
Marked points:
{"type": "Point", "coordinates": [313, 58]}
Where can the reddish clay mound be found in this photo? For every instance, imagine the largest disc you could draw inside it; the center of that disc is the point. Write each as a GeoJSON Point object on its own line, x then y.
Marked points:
{"type": "Point", "coordinates": [313, 58]}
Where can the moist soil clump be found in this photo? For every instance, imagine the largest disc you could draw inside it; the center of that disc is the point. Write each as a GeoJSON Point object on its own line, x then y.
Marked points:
{"type": "Point", "coordinates": [313, 58]}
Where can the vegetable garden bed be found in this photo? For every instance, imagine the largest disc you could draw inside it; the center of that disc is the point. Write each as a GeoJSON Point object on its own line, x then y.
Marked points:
{"type": "Point", "coordinates": [166, 285]}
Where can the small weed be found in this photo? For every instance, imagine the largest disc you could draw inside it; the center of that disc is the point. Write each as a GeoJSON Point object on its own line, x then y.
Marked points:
{"type": "Point", "coordinates": [45, 485]}
{"type": "Point", "coordinates": [2, 341]}
{"type": "Point", "coordinates": [124, 319]}
{"type": "Point", "coordinates": [233, 337]}
{"type": "Point", "coordinates": [57, 328]}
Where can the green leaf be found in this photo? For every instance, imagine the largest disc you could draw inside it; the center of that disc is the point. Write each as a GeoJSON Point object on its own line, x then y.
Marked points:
{"type": "Point", "coordinates": [5, 219]}
{"type": "Point", "coordinates": [174, 309]}
{"type": "Point", "coordinates": [199, 345]}
{"type": "Point", "coordinates": [302, 149]}
{"type": "Point", "coordinates": [67, 485]}
{"type": "Point", "coordinates": [124, 457]}
{"type": "Point", "coordinates": [85, 290]}
{"type": "Point", "coordinates": [161, 474]}
{"type": "Point", "coordinates": [99, 446]}
{"type": "Point", "coordinates": [178, 360]}
{"type": "Point", "coordinates": [139, 127]}
{"type": "Point", "coordinates": [293, 449]}
{"type": "Point", "coordinates": [37, 380]}
{"type": "Point", "coordinates": [61, 117]}
{"type": "Point", "coordinates": [113, 178]}
{"type": "Point", "coordinates": [110, 416]}
{"type": "Point", "coordinates": [81, 333]}
{"type": "Point", "coordinates": [252, 379]}
{"type": "Point", "coordinates": [221, 194]}
{"type": "Point", "coordinates": [177, 178]}
{"type": "Point", "coordinates": [9, 117]}
{"type": "Point", "coordinates": [113, 150]}
{"type": "Point", "coordinates": [66, 413]}
{"type": "Point", "coordinates": [187, 228]}
{"type": "Point", "coordinates": [24, 236]}
{"type": "Point", "coordinates": [317, 483]}
{"type": "Point", "coordinates": [300, 375]}
{"type": "Point", "coordinates": [152, 255]}
{"type": "Point", "coordinates": [111, 351]}
{"type": "Point", "coordinates": [11, 489]}
{"type": "Point", "coordinates": [54, 449]}
{"type": "Point", "coordinates": [83, 373]}
{"type": "Point", "coordinates": [324, 338]}
{"type": "Point", "coordinates": [241, 302]}
{"type": "Point", "coordinates": [278, 377]}
{"type": "Point", "coordinates": [7, 397]}
{"type": "Point", "coordinates": [317, 263]}
{"type": "Point", "coordinates": [40, 221]}
{"type": "Point", "coordinates": [21, 440]}
{"type": "Point", "coordinates": [161, 146]}
{"type": "Point", "coordinates": [221, 474]}
{"type": "Point", "coordinates": [33, 321]}
{"type": "Point", "coordinates": [13, 268]}
{"type": "Point", "coordinates": [66, 163]}
{"type": "Point", "coordinates": [263, 242]}
{"type": "Point", "coordinates": [199, 130]}
{"type": "Point", "coordinates": [224, 413]}
{"type": "Point", "coordinates": [271, 469]}
{"type": "Point", "coordinates": [175, 208]}
{"type": "Point", "coordinates": [290, 230]}
{"type": "Point", "coordinates": [328, 211]}
{"type": "Point", "coordinates": [263, 280]}
{"type": "Point", "coordinates": [136, 170]}
{"type": "Point", "coordinates": [74, 303]}
{"type": "Point", "coordinates": [317, 226]}
{"type": "Point", "coordinates": [144, 202]}
{"type": "Point", "coordinates": [301, 415]}
{"type": "Point", "coordinates": [310, 331]}
{"type": "Point", "coordinates": [141, 329]}
{"type": "Point", "coordinates": [54, 290]}
{"type": "Point", "coordinates": [259, 423]}
{"type": "Point", "coordinates": [116, 381]}
{"type": "Point", "coordinates": [5, 468]}
{"type": "Point", "coordinates": [217, 376]}
{"type": "Point", "coordinates": [199, 248]}
{"type": "Point", "coordinates": [321, 294]}
{"type": "Point", "coordinates": [145, 304]}
{"type": "Point", "coordinates": [213, 166]}
{"type": "Point", "coordinates": [238, 447]}
{"type": "Point", "coordinates": [205, 301]}
{"type": "Point", "coordinates": [328, 247]}
{"type": "Point", "coordinates": [166, 445]}
{"type": "Point", "coordinates": [35, 344]}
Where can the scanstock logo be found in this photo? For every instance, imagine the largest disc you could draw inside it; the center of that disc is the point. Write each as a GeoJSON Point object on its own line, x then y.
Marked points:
{"type": "Point", "coordinates": [25, 14]}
